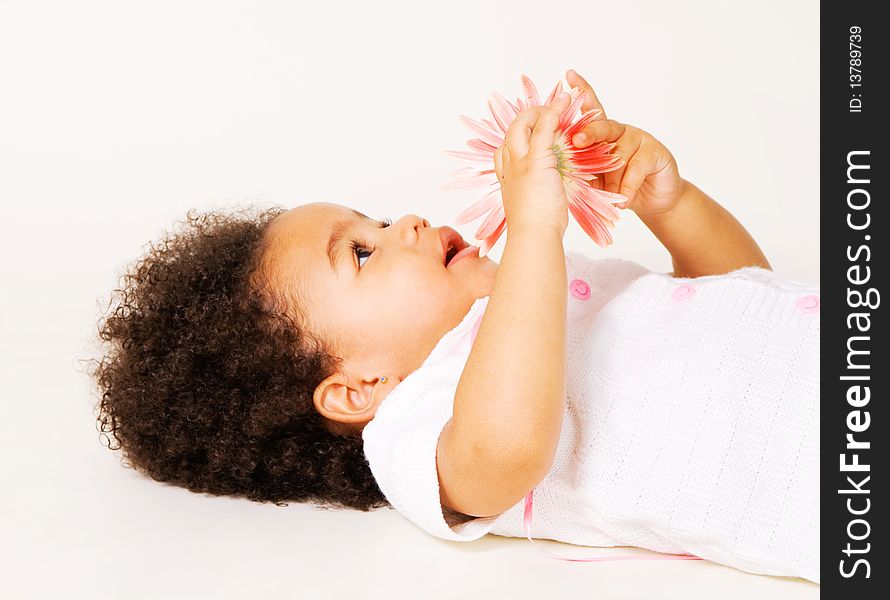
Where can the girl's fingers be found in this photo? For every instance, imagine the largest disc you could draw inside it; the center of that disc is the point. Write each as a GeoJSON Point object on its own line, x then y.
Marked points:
{"type": "Point", "coordinates": [638, 167]}
{"type": "Point", "coordinates": [626, 145]}
{"type": "Point", "coordinates": [501, 158]}
{"type": "Point", "coordinates": [591, 102]}
{"type": "Point", "coordinates": [516, 139]}
{"type": "Point", "coordinates": [544, 134]}
{"type": "Point", "coordinates": [612, 180]}
{"type": "Point", "coordinates": [599, 130]}
{"type": "Point", "coordinates": [499, 162]}
{"type": "Point", "coordinates": [597, 183]}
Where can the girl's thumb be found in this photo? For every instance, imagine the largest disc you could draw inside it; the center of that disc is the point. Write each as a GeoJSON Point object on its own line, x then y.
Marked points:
{"type": "Point", "coordinates": [561, 102]}
{"type": "Point", "coordinates": [559, 105]}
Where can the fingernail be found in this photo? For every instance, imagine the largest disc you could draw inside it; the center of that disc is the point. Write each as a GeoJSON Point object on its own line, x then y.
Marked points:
{"type": "Point", "coordinates": [580, 138]}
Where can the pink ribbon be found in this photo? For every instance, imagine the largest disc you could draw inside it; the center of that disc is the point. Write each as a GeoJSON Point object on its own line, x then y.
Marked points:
{"type": "Point", "coordinates": [527, 521]}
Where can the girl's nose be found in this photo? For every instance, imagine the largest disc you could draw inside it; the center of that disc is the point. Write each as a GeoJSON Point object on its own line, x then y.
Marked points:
{"type": "Point", "coordinates": [411, 226]}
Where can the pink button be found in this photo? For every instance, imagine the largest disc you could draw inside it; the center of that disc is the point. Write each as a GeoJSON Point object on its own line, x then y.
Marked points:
{"type": "Point", "coordinates": [683, 292]}
{"type": "Point", "coordinates": [808, 304]}
{"type": "Point", "coordinates": [580, 289]}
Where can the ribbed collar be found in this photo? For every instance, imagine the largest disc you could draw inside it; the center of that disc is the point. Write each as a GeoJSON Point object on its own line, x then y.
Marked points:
{"type": "Point", "coordinates": [455, 341]}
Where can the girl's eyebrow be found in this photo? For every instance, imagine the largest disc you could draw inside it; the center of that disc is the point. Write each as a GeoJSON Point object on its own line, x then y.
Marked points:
{"type": "Point", "coordinates": [336, 236]}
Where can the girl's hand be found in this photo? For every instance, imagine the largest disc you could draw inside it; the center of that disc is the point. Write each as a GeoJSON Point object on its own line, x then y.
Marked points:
{"type": "Point", "coordinates": [649, 177]}
{"type": "Point", "coordinates": [531, 186]}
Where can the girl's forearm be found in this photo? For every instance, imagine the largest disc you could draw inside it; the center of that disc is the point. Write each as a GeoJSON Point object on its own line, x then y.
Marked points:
{"type": "Point", "coordinates": [703, 238]}
{"type": "Point", "coordinates": [510, 399]}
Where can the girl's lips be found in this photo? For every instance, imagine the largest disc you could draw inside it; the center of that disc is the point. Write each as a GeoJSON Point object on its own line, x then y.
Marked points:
{"type": "Point", "coordinates": [468, 251]}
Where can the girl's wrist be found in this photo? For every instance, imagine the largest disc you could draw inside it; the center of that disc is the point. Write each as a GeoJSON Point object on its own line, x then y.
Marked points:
{"type": "Point", "coordinates": [682, 198]}
{"type": "Point", "coordinates": [534, 229]}
{"type": "Point", "coordinates": [702, 237]}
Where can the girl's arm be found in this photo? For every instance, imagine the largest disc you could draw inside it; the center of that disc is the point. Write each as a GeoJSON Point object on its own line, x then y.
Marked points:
{"type": "Point", "coordinates": [703, 237]}
{"type": "Point", "coordinates": [509, 403]}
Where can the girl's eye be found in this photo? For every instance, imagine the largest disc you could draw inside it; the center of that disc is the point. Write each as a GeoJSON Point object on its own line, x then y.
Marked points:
{"type": "Point", "coordinates": [358, 248]}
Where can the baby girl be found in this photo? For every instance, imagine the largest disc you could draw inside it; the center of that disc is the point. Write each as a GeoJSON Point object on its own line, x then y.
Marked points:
{"type": "Point", "coordinates": [317, 355]}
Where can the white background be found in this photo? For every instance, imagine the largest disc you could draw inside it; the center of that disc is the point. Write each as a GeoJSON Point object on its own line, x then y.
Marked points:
{"type": "Point", "coordinates": [117, 117]}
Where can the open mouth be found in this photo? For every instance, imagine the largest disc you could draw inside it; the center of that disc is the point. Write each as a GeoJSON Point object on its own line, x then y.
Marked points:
{"type": "Point", "coordinates": [452, 252]}
{"type": "Point", "coordinates": [453, 243]}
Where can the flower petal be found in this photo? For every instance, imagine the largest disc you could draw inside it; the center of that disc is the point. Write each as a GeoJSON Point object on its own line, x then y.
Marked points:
{"type": "Point", "coordinates": [469, 156]}
{"type": "Point", "coordinates": [531, 92]}
{"type": "Point", "coordinates": [513, 107]}
{"type": "Point", "coordinates": [591, 225]}
{"type": "Point", "coordinates": [491, 240]}
{"type": "Point", "coordinates": [485, 132]}
{"type": "Point", "coordinates": [597, 164]}
{"type": "Point", "coordinates": [599, 202]}
{"type": "Point", "coordinates": [487, 202]}
{"type": "Point", "coordinates": [582, 122]}
{"type": "Point", "coordinates": [501, 111]}
{"type": "Point", "coordinates": [470, 183]}
{"type": "Point", "coordinates": [477, 144]}
{"type": "Point", "coordinates": [465, 172]}
{"type": "Point", "coordinates": [491, 222]}
{"type": "Point", "coordinates": [556, 91]}
{"type": "Point", "coordinates": [569, 113]}
{"type": "Point", "coordinates": [593, 209]}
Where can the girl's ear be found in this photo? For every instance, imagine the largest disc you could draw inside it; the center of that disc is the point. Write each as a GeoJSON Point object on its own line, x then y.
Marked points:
{"type": "Point", "coordinates": [339, 399]}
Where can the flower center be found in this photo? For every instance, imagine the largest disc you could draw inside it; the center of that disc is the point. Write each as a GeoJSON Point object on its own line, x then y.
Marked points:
{"type": "Point", "coordinates": [561, 159]}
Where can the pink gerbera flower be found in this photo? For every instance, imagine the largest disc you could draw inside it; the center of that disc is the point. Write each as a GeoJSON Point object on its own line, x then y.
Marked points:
{"type": "Point", "coordinates": [592, 208]}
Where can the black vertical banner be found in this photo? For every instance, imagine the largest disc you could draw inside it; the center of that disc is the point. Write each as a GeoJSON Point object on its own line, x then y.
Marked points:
{"type": "Point", "coordinates": [855, 368]}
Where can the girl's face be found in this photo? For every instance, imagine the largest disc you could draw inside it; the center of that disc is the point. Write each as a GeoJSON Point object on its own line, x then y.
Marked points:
{"type": "Point", "coordinates": [383, 305]}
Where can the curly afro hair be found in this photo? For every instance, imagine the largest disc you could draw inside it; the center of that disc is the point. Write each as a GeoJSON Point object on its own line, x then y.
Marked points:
{"type": "Point", "coordinates": [206, 384]}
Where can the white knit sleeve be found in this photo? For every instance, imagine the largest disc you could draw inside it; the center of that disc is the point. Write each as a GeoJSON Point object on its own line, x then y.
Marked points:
{"type": "Point", "coordinates": [400, 445]}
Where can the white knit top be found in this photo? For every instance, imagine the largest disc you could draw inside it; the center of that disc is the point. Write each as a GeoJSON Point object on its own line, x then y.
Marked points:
{"type": "Point", "coordinates": [691, 421]}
